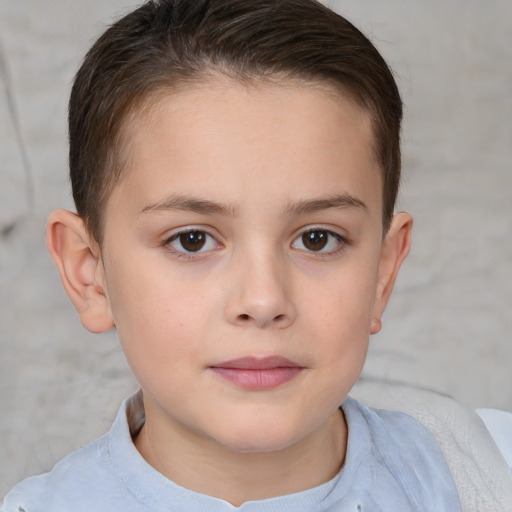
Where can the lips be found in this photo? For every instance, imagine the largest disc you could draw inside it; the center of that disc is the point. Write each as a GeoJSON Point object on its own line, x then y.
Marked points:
{"type": "Point", "coordinates": [257, 374]}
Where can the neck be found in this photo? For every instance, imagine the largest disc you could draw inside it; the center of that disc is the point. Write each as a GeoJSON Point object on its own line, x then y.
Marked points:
{"type": "Point", "coordinates": [209, 468]}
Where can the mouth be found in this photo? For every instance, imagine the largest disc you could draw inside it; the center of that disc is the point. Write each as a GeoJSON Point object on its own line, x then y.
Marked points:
{"type": "Point", "coordinates": [257, 374]}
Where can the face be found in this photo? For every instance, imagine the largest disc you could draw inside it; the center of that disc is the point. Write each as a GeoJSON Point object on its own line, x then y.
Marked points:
{"type": "Point", "coordinates": [241, 256]}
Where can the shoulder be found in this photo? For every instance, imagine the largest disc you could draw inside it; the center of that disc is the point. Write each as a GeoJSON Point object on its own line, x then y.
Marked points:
{"type": "Point", "coordinates": [480, 472]}
{"type": "Point", "coordinates": [89, 479]}
{"type": "Point", "coordinates": [400, 442]}
{"type": "Point", "coordinates": [397, 461]}
{"type": "Point", "coordinates": [39, 493]}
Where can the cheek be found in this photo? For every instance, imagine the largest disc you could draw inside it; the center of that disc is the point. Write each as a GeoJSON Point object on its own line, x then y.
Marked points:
{"type": "Point", "coordinates": [157, 315]}
{"type": "Point", "coordinates": [339, 317]}
{"type": "Point", "coordinates": [162, 339]}
{"type": "Point", "coordinates": [345, 301]}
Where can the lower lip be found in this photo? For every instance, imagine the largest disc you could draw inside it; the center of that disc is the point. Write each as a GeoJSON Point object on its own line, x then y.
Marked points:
{"type": "Point", "coordinates": [258, 379]}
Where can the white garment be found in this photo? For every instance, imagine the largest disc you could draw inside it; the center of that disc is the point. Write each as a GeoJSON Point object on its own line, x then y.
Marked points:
{"type": "Point", "coordinates": [479, 469]}
{"type": "Point", "coordinates": [392, 464]}
{"type": "Point", "coordinates": [499, 424]}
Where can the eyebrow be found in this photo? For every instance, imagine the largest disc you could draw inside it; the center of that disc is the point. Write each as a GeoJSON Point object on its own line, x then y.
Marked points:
{"type": "Point", "coordinates": [324, 203]}
{"type": "Point", "coordinates": [191, 204]}
{"type": "Point", "coordinates": [207, 207]}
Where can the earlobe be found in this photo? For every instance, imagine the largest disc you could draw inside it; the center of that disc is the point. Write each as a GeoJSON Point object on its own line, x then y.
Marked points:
{"type": "Point", "coordinates": [395, 248]}
{"type": "Point", "coordinates": [78, 261]}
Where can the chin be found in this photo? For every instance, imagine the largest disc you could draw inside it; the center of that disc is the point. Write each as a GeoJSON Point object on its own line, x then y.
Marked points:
{"type": "Point", "coordinates": [259, 438]}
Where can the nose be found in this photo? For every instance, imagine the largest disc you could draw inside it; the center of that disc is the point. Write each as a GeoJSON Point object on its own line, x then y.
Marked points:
{"type": "Point", "coordinates": [261, 294]}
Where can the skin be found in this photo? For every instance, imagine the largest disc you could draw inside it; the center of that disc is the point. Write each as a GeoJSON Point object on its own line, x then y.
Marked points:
{"type": "Point", "coordinates": [251, 168]}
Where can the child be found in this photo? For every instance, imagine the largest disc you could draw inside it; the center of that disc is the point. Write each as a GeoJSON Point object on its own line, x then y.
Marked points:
{"type": "Point", "coordinates": [234, 166]}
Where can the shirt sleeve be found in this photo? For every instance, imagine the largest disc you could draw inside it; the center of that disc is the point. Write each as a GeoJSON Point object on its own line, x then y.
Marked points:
{"type": "Point", "coordinates": [499, 425]}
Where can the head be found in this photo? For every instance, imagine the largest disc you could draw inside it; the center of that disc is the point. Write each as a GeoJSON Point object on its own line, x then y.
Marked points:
{"type": "Point", "coordinates": [235, 166]}
{"type": "Point", "coordinates": [165, 46]}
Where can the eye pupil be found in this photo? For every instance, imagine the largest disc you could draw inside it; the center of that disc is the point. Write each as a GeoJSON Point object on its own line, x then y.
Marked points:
{"type": "Point", "coordinates": [315, 240]}
{"type": "Point", "coordinates": [192, 241]}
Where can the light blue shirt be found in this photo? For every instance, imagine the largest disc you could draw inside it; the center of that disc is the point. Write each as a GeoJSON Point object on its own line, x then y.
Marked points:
{"type": "Point", "coordinates": [392, 465]}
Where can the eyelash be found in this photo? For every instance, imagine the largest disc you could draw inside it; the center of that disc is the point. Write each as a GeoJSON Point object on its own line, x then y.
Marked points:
{"type": "Point", "coordinates": [341, 242]}
{"type": "Point", "coordinates": [167, 243]}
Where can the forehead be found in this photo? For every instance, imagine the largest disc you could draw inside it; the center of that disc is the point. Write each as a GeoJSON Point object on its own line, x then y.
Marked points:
{"type": "Point", "coordinates": [216, 136]}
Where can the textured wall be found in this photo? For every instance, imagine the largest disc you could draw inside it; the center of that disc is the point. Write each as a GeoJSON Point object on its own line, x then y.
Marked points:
{"type": "Point", "coordinates": [449, 324]}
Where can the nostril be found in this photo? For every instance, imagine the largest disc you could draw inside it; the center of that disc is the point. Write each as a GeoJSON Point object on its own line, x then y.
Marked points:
{"type": "Point", "coordinates": [244, 317]}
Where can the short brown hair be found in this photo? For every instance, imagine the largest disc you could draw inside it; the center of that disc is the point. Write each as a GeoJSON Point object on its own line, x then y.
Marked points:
{"type": "Point", "coordinates": [166, 43]}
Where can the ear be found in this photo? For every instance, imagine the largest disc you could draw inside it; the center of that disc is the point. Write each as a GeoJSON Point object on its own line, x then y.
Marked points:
{"type": "Point", "coordinates": [395, 248]}
{"type": "Point", "coordinates": [78, 260]}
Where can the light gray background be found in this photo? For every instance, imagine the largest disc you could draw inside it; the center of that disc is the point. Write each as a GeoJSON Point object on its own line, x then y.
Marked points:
{"type": "Point", "coordinates": [448, 326]}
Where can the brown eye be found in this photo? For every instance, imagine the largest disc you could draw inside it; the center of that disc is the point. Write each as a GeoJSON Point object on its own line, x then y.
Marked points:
{"type": "Point", "coordinates": [193, 241]}
{"type": "Point", "coordinates": [315, 240]}
{"type": "Point", "coordinates": [320, 241]}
